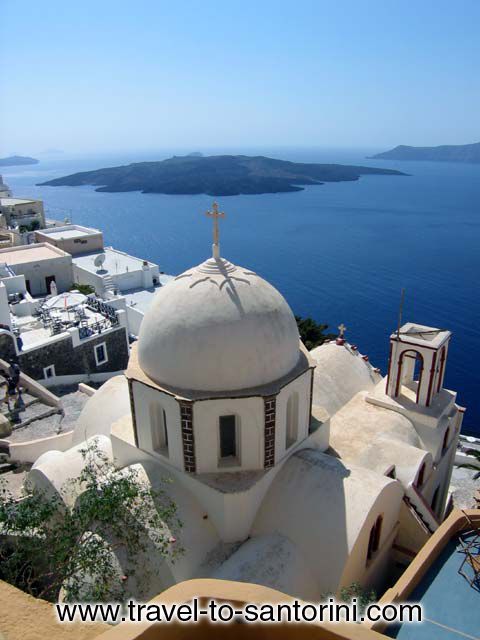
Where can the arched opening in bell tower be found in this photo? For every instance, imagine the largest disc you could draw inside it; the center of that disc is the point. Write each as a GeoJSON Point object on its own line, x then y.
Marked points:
{"type": "Point", "coordinates": [443, 355]}
{"type": "Point", "coordinates": [410, 372]}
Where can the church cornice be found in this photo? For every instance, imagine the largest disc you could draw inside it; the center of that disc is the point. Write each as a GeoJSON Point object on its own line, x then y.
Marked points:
{"type": "Point", "coordinates": [134, 373]}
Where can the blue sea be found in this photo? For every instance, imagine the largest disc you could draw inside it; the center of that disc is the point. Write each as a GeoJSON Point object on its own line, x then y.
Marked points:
{"type": "Point", "coordinates": [340, 252]}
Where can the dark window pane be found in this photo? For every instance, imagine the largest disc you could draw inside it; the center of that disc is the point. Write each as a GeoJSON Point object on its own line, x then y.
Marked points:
{"type": "Point", "coordinates": [228, 440]}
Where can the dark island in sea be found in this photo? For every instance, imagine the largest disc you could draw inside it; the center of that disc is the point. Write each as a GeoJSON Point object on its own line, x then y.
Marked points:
{"type": "Point", "coordinates": [216, 176]}
{"type": "Point", "coordinates": [444, 153]}
{"type": "Point", "coordinates": [13, 161]}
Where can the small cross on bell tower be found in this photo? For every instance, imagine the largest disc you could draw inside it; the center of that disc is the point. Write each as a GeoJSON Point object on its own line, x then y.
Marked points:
{"type": "Point", "coordinates": [215, 214]}
{"type": "Point", "coordinates": [341, 336]}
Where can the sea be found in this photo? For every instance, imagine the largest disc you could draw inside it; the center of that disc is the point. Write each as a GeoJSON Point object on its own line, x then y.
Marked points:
{"type": "Point", "coordinates": [339, 252]}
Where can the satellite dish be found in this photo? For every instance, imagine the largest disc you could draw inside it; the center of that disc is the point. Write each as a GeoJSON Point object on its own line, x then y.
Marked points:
{"type": "Point", "coordinates": [99, 260]}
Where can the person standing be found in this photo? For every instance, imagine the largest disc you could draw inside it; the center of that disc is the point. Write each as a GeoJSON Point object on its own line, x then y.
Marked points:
{"type": "Point", "coordinates": [11, 391]}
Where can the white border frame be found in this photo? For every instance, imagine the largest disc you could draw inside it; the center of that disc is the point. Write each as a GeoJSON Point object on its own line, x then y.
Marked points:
{"type": "Point", "coordinates": [45, 369]}
{"type": "Point", "coordinates": [95, 348]}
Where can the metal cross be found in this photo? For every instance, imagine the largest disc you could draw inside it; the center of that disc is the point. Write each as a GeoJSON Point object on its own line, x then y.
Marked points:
{"type": "Point", "coordinates": [342, 328]}
{"type": "Point", "coordinates": [215, 214]}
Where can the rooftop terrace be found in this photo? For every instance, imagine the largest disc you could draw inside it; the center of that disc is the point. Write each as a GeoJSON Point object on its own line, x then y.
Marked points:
{"type": "Point", "coordinates": [450, 600]}
{"type": "Point", "coordinates": [92, 316]}
{"type": "Point", "coordinates": [68, 231]}
{"type": "Point", "coordinates": [451, 606]}
{"type": "Point", "coordinates": [30, 253]}
{"type": "Point", "coordinates": [115, 262]}
{"type": "Point", "coordinates": [11, 202]}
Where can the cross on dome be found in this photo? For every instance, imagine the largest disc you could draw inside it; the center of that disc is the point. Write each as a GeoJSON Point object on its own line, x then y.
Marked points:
{"type": "Point", "coordinates": [342, 328]}
{"type": "Point", "coordinates": [215, 214]}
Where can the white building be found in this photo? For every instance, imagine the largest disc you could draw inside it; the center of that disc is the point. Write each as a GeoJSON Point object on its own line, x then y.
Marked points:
{"type": "Point", "coordinates": [114, 271]}
{"type": "Point", "coordinates": [21, 212]}
{"type": "Point", "coordinates": [72, 238]}
{"type": "Point", "coordinates": [5, 191]}
{"type": "Point", "coordinates": [300, 471]}
{"type": "Point", "coordinates": [126, 282]}
{"type": "Point", "coordinates": [40, 265]}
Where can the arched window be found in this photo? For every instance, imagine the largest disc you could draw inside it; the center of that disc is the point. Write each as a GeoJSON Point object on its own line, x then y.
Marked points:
{"type": "Point", "coordinates": [445, 440]}
{"type": "Point", "coordinates": [435, 497]}
{"type": "Point", "coordinates": [228, 438]}
{"type": "Point", "coordinates": [158, 426]}
{"type": "Point", "coordinates": [291, 433]}
{"type": "Point", "coordinates": [374, 539]}
{"type": "Point", "coordinates": [421, 476]}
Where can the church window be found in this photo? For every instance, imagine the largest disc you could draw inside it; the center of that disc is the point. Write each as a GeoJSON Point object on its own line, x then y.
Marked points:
{"type": "Point", "coordinates": [228, 436]}
{"type": "Point", "coordinates": [445, 440]}
{"type": "Point", "coordinates": [374, 539]}
{"type": "Point", "coordinates": [421, 476]}
{"type": "Point", "coordinates": [158, 425]}
{"type": "Point", "coordinates": [292, 420]}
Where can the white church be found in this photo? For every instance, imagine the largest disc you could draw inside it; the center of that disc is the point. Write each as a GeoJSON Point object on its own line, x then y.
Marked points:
{"type": "Point", "coordinates": [302, 471]}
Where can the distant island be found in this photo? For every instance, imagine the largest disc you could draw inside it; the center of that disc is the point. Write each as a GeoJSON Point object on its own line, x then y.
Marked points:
{"type": "Point", "coordinates": [444, 153]}
{"type": "Point", "coordinates": [215, 176]}
{"type": "Point", "coordinates": [13, 161]}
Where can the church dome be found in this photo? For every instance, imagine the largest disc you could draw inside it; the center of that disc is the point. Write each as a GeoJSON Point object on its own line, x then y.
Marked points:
{"type": "Point", "coordinates": [218, 327]}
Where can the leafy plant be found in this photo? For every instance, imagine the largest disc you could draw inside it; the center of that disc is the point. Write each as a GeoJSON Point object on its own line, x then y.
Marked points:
{"type": "Point", "coordinates": [47, 546]}
{"type": "Point", "coordinates": [86, 289]}
{"type": "Point", "coordinates": [32, 226]}
{"type": "Point", "coordinates": [355, 590]}
{"type": "Point", "coordinates": [312, 333]}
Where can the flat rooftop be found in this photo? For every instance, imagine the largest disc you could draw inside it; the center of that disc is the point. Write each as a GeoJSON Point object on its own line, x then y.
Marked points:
{"type": "Point", "coordinates": [34, 333]}
{"type": "Point", "coordinates": [68, 231]}
{"type": "Point", "coordinates": [141, 299]}
{"type": "Point", "coordinates": [115, 262]}
{"type": "Point", "coordinates": [10, 202]}
{"type": "Point", "coordinates": [421, 334]}
{"type": "Point", "coordinates": [451, 606]}
{"type": "Point", "coordinates": [30, 253]}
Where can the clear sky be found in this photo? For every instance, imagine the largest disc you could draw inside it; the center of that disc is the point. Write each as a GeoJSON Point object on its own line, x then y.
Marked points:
{"type": "Point", "coordinates": [114, 75]}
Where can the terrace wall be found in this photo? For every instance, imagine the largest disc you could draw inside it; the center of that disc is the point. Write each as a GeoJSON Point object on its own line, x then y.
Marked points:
{"type": "Point", "coordinates": [70, 360]}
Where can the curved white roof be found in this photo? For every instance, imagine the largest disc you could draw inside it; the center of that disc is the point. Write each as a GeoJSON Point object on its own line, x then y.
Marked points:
{"type": "Point", "coordinates": [337, 508]}
{"type": "Point", "coordinates": [340, 373]}
{"type": "Point", "coordinates": [105, 407]}
{"type": "Point", "coordinates": [359, 423]}
{"type": "Point", "coordinates": [54, 470]}
{"type": "Point", "coordinates": [272, 561]}
{"type": "Point", "coordinates": [218, 327]}
{"type": "Point", "coordinates": [197, 535]}
{"type": "Point", "coordinates": [385, 451]}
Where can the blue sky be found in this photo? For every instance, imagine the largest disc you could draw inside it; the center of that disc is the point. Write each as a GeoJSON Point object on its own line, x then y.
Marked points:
{"type": "Point", "coordinates": [116, 75]}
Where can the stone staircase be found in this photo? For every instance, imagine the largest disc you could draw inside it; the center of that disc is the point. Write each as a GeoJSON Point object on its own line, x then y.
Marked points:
{"type": "Point", "coordinates": [108, 284]}
{"type": "Point", "coordinates": [26, 409]}
{"type": "Point", "coordinates": [417, 515]}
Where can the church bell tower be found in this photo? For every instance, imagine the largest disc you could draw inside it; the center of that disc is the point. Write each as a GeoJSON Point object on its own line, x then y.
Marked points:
{"type": "Point", "coordinates": [418, 356]}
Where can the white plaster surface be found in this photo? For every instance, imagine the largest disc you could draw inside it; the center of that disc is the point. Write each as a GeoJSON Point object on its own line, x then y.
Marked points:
{"type": "Point", "coordinates": [340, 374]}
{"type": "Point", "coordinates": [218, 327]}
{"type": "Point", "coordinates": [101, 410]}
{"type": "Point", "coordinates": [54, 469]}
{"type": "Point", "coordinates": [273, 561]}
{"type": "Point", "coordinates": [338, 505]}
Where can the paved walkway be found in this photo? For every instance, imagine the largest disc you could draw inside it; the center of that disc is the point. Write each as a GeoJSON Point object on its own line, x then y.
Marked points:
{"type": "Point", "coordinates": [32, 419]}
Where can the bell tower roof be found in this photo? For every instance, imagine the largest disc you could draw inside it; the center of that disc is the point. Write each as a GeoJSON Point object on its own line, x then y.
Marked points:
{"type": "Point", "coordinates": [420, 334]}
